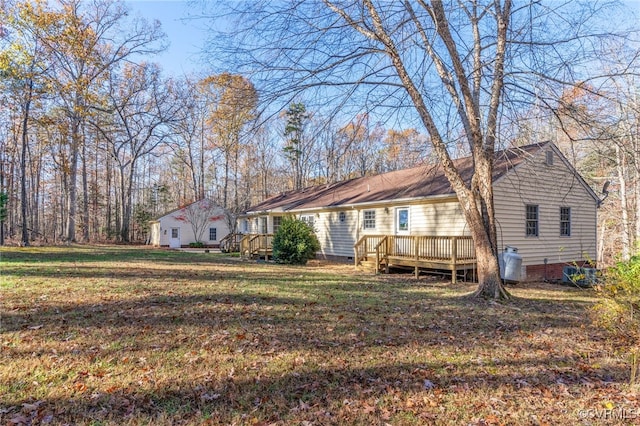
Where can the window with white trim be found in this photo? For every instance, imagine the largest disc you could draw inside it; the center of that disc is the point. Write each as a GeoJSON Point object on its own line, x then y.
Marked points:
{"type": "Point", "coordinates": [308, 219]}
{"type": "Point", "coordinates": [276, 223]}
{"type": "Point", "coordinates": [565, 221]}
{"type": "Point", "coordinates": [213, 234]}
{"type": "Point", "coordinates": [532, 219]}
{"type": "Point", "coordinates": [368, 219]}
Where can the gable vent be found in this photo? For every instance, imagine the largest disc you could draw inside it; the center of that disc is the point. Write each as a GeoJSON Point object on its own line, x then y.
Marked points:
{"type": "Point", "coordinates": [549, 158]}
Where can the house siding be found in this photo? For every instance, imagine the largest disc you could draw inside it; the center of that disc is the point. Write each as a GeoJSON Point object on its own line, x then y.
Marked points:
{"type": "Point", "coordinates": [549, 187]}
{"type": "Point", "coordinates": [337, 237]}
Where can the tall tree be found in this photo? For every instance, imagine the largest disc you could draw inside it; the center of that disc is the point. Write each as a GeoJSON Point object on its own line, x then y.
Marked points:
{"type": "Point", "coordinates": [231, 106]}
{"type": "Point", "coordinates": [444, 63]}
{"type": "Point", "coordinates": [140, 108]}
{"type": "Point", "coordinates": [294, 148]}
{"type": "Point", "coordinates": [88, 40]}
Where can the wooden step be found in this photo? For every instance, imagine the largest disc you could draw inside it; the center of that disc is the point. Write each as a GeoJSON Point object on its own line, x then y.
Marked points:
{"type": "Point", "coordinates": [368, 265]}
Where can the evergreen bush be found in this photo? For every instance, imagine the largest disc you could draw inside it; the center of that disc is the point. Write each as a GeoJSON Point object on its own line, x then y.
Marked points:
{"type": "Point", "coordinates": [295, 242]}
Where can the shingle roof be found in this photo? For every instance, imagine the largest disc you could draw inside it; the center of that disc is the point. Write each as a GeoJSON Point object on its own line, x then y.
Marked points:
{"type": "Point", "coordinates": [418, 182]}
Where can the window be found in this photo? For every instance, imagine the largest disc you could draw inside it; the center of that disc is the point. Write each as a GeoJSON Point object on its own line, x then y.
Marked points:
{"type": "Point", "coordinates": [532, 220]}
{"type": "Point", "coordinates": [369, 219]}
{"type": "Point", "coordinates": [308, 219]}
{"type": "Point", "coordinates": [263, 225]}
{"type": "Point", "coordinates": [174, 232]}
{"type": "Point", "coordinates": [245, 226]}
{"type": "Point", "coordinates": [276, 223]}
{"type": "Point", "coordinates": [342, 216]}
{"type": "Point", "coordinates": [403, 219]}
{"type": "Point", "coordinates": [565, 221]}
{"type": "Point", "coordinates": [213, 234]}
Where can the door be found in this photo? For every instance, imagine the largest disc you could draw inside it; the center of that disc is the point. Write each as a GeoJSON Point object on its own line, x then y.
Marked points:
{"type": "Point", "coordinates": [174, 238]}
{"type": "Point", "coordinates": [402, 221]}
{"type": "Point", "coordinates": [403, 244]}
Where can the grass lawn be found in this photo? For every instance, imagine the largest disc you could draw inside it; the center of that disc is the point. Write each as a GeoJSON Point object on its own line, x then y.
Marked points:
{"type": "Point", "coordinates": [103, 335]}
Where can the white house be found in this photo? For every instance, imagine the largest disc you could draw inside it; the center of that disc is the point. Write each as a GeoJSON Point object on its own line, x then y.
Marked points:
{"type": "Point", "coordinates": [544, 208]}
{"type": "Point", "coordinates": [202, 221]}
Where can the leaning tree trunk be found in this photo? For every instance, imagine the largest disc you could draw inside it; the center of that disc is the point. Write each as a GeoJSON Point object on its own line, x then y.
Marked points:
{"type": "Point", "coordinates": [477, 208]}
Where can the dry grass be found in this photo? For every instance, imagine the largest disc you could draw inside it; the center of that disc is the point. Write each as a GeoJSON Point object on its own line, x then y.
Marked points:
{"type": "Point", "coordinates": [105, 335]}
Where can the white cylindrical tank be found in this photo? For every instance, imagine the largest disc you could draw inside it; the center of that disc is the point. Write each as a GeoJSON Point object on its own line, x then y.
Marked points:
{"type": "Point", "coordinates": [510, 264]}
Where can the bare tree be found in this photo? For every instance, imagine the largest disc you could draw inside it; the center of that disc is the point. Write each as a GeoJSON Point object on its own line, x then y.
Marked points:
{"type": "Point", "coordinates": [446, 64]}
{"type": "Point", "coordinates": [89, 40]}
{"type": "Point", "coordinates": [140, 108]}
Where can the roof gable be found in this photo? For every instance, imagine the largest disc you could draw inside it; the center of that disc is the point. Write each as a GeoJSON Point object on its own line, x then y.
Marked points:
{"type": "Point", "coordinates": [169, 213]}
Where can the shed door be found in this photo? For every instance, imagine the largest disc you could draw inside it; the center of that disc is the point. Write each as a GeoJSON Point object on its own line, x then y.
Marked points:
{"type": "Point", "coordinates": [174, 238]}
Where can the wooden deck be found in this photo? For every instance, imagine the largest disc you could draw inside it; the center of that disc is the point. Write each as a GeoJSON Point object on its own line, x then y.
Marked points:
{"type": "Point", "coordinates": [452, 254]}
{"type": "Point", "coordinates": [455, 254]}
{"type": "Point", "coordinates": [256, 245]}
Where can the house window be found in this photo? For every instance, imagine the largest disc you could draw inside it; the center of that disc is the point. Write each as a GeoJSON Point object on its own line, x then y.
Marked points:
{"type": "Point", "coordinates": [403, 219]}
{"type": "Point", "coordinates": [565, 221]}
{"type": "Point", "coordinates": [342, 216]}
{"type": "Point", "coordinates": [369, 219]}
{"type": "Point", "coordinates": [532, 220]}
{"type": "Point", "coordinates": [308, 219]}
{"type": "Point", "coordinates": [213, 234]}
{"type": "Point", "coordinates": [245, 226]}
{"type": "Point", "coordinates": [276, 223]}
{"type": "Point", "coordinates": [174, 232]}
{"type": "Point", "coordinates": [263, 225]}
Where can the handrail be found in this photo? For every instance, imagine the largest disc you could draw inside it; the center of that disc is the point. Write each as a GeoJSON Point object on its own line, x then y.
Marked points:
{"type": "Point", "coordinates": [360, 253]}
{"type": "Point", "coordinates": [252, 244]}
{"type": "Point", "coordinates": [231, 242]}
{"type": "Point", "coordinates": [384, 253]}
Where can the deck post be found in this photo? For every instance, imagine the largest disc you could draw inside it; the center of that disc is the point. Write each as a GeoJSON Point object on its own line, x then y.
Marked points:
{"type": "Point", "coordinates": [454, 259]}
{"type": "Point", "coordinates": [415, 249]}
{"type": "Point", "coordinates": [386, 254]}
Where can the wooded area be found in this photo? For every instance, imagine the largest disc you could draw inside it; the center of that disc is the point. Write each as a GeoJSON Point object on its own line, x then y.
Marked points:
{"type": "Point", "coordinates": [94, 145]}
{"type": "Point", "coordinates": [95, 140]}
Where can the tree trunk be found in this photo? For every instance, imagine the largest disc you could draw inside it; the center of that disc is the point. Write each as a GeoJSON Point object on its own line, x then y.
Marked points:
{"type": "Point", "coordinates": [624, 203]}
{"type": "Point", "coordinates": [85, 196]}
{"type": "Point", "coordinates": [72, 199]}
{"type": "Point", "coordinates": [23, 163]}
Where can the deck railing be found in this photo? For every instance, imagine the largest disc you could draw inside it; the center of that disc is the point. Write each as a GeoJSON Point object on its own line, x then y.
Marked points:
{"type": "Point", "coordinates": [231, 243]}
{"type": "Point", "coordinates": [253, 244]}
{"type": "Point", "coordinates": [435, 248]}
{"type": "Point", "coordinates": [448, 252]}
{"type": "Point", "coordinates": [366, 246]}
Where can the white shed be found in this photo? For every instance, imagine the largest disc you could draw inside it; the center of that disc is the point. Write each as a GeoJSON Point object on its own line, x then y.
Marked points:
{"type": "Point", "coordinates": [202, 221]}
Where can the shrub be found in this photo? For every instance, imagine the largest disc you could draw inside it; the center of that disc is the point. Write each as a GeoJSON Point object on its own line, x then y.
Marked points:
{"type": "Point", "coordinates": [618, 309]}
{"type": "Point", "coordinates": [196, 244]}
{"type": "Point", "coordinates": [295, 242]}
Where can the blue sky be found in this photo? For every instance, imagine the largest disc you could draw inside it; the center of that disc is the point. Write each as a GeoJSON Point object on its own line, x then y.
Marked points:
{"type": "Point", "coordinates": [186, 36]}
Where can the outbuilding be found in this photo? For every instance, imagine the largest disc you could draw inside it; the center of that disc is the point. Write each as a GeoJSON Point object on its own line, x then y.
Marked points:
{"type": "Point", "coordinates": [200, 222]}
